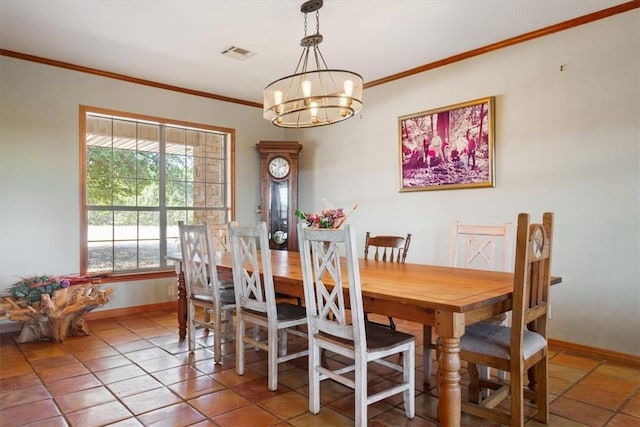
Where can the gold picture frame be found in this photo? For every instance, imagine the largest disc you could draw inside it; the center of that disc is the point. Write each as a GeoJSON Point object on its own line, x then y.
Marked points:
{"type": "Point", "coordinates": [448, 148]}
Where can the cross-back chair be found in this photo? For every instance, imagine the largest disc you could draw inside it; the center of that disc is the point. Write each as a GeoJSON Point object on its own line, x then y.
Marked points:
{"type": "Point", "coordinates": [256, 302]}
{"type": "Point", "coordinates": [220, 234]}
{"type": "Point", "coordinates": [484, 247]}
{"type": "Point", "coordinates": [387, 248]}
{"type": "Point", "coordinates": [330, 289]}
{"type": "Point", "coordinates": [521, 348]}
{"type": "Point", "coordinates": [481, 244]}
{"type": "Point", "coordinates": [203, 288]}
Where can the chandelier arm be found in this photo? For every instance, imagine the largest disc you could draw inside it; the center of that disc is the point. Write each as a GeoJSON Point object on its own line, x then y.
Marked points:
{"type": "Point", "coordinates": [318, 53]}
{"type": "Point", "coordinates": [304, 56]}
{"type": "Point", "coordinates": [305, 64]}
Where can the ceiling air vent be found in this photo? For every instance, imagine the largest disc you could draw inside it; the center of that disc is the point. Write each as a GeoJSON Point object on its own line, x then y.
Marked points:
{"type": "Point", "coordinates": [237, 53]}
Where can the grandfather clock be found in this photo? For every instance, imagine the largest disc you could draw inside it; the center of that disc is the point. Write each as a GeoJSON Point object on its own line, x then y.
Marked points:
{"type": "Point", "coordinates": [279, 188]}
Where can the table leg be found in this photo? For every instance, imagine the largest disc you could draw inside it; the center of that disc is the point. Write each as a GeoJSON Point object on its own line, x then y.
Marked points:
{"type": "Point", "coordinates": [182, 306]}
{"type": "Point", "coordinates": [450, 327]}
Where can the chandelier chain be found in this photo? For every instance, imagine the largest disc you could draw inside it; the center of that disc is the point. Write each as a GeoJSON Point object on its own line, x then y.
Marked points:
{"type": "Point", "coordinates": [305, 25]}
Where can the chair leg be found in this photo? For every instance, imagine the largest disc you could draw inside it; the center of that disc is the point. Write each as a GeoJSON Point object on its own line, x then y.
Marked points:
{"type": "Point", "coordinates": [408, 376]}
{"type": "Point", "coordinates": [484, 372]}
{"type": "Point", "coordinates": [542, 390]}
{"type": "Point", "coordinates": [532, 379]}
{"type": "Point", "coordinates": [392, 324]}
{"type": "Point", "coordinates": [474, 383]}
{"type": "Point", "coordinates": [517, 399]}
{"type": "Point", "coordinates": [240, 330]}
{"type": "Point", "coordinates": [207, 317]}
{"type": "Point", "coordinates": [360, 380]}
{"type": "Point", "coordinates": [228, 324]}
{"type": "Point", "coordinates": [282, 342]}
{"type": "Point", "coordinates": [314, 376]}
{"type": "Point", "coordinates": [427, 355]}
{"type": "Point", "coordinates": [272, 357]}
{"type": "Point", "coordinates": [191, 327]}
{"type": "Point", "coordinates": [217, 335]}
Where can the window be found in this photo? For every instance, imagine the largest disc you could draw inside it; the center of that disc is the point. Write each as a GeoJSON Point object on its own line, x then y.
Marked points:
{"type": "Point", "coordinates": [141, 175]}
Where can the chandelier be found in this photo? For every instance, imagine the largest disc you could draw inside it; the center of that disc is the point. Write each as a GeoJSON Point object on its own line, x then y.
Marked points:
{"type": "Point", "coordinates": [312, 97]}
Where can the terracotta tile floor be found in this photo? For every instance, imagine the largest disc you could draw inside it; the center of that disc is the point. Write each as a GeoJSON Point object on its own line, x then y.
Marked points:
{"type": "Point", "coordinates": [134, 371]}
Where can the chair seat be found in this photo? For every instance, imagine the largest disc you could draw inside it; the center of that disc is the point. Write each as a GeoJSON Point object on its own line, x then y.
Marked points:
{"type": "Point", "coordinates": [494, 340]}
{"type": "Point", "coordinates": [383, 338]}
{"type": "Point", "coordinates": [202, 298]}
{"type": "Point", "coordinates": [226, 284]}
{"type": "Point", "coordinates": [379, 337]}
{"type": "Point", "coordinates": [227, 297]}
{"type": "Point", "coordinates": [286, 311]}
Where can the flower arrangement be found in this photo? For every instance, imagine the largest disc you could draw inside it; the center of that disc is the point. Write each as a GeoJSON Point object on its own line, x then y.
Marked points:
{"type": "Point", "coordinates": [31, 288]}
{"type": "Point", "coordinates": [327, 218]}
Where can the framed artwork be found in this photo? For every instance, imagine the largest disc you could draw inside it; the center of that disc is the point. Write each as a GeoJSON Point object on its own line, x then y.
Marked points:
{"type": "Point", "coordinates": [448, 148]}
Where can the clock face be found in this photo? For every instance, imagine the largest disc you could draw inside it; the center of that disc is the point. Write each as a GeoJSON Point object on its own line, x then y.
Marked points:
{"type": "Point", "coordinates": [279, 237]}
{"type": "Point", "coordinates": [279, 167]}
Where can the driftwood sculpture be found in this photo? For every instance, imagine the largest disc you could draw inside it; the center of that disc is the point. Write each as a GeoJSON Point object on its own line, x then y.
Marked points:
{"type": "Point", "coordinates": [62, 315]}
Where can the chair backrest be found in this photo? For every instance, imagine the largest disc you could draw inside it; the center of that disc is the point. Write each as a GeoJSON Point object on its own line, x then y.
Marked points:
{"type": "Point", "coordinates": [325, 286]}
{"type": "Point", "coordinates": [391, 248]}
{"type": "Point", "coordinates": [531, 279]}
{"type": "Point", "coordinates": [198, 257]}
{"type": "Point", "coordinates": [480, 243]}
{"type": "Point", "coordinates": [220, 233]}
{"type": "Point", "coordinates": [251, 256]}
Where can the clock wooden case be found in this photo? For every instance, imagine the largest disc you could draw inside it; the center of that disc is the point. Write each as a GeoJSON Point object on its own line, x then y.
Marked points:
{"type": "Point", "coordinates": [279, 191]}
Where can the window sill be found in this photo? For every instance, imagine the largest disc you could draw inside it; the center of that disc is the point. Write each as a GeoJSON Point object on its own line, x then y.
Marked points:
{"type": "Point", "coordinates": [132, 277]}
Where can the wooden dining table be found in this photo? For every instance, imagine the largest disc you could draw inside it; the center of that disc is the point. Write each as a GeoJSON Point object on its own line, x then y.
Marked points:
{"type": "Point", "coordinates": [445, 298]}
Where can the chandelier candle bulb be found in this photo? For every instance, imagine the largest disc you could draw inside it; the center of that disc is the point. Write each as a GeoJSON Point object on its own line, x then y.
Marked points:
{"type": "Point", "coordinates": [348, 87]}
{"type": "Point", "coordinates": [277, 98]}
{"type": "Point", "coordinates": [306, 88]}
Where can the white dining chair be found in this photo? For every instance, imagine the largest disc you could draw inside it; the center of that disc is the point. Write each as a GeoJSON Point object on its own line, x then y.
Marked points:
{"type": "Point", "coordinates": [484, 247]}
{"type": "Point", "coordinates": [328, 293]}
{"type": "Point", "coordinates": [203, 288]}
{"type": "Point", "coordinates": [256, 302]}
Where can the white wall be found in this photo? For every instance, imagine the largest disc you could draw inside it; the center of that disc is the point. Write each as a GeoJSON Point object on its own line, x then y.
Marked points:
{"type": "Point", "coordinates": [566, 141]}
{"type": "Point", "coordinates": [39, 164]}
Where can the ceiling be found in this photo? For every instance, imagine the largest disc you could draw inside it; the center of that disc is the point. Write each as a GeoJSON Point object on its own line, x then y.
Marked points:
{"type": "Point", "coordinates": [179, 42]}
